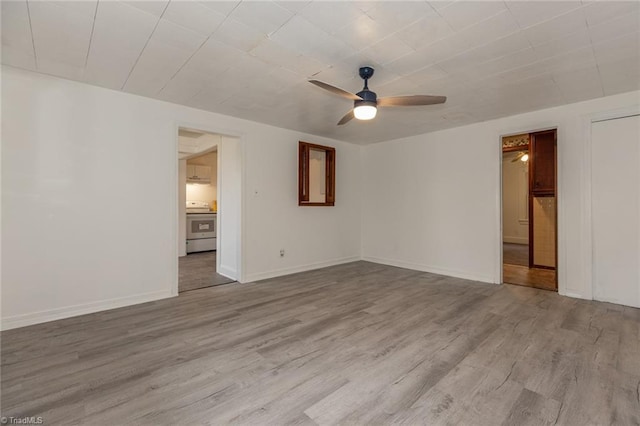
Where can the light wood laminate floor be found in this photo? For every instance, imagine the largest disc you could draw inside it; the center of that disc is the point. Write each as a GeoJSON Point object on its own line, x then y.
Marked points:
{"type": "Point", "coordinates": [358, 343]}
{"type": "Point", "coordinates": [198, 270]}
{"type": "Point", "coordinates": [531, 277]}
{"type": "Point", "coordinates": [515, 254]}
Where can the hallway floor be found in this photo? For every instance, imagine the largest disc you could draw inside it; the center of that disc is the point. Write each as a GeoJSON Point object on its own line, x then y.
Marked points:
{"type": "Point", "coordinates": [515, 254]}
{"type": "Point", "coordinates": [516, 269]}
{"type": "Point", "coordinates": [531, 277]}
{"type": "Point", "coordinates": [198, 270]}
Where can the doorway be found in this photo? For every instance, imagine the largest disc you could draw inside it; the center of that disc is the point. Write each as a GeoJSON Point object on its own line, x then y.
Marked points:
{"type": "Point", "coordinates": [199, 182]}
{"type": "Point", "coordinates": [529, 209]}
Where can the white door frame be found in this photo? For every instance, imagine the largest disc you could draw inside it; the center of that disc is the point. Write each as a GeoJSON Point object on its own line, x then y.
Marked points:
{"type": "Point", "coordinates": [560, 269]}
{"type": "Point", "coordinates": [220, 217]}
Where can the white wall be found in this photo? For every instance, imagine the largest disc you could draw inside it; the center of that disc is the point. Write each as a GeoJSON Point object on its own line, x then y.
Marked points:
{"type": "Point", "coordinates": [81, 237]}
{"type": "Point", "coordinates": [426, 205]}
{"type": "Point", "coordinates": [431, 202]}
{"type": "Point", "coordinates": [311, 236]}
{"type": "Point", "coordinates": [78, 236]}
{"type": "Point", "coordinates": [515, 203]}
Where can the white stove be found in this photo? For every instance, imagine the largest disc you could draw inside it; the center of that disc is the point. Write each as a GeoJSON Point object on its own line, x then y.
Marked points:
{"type": "Point", "coordinates": [198, 207]}
{"type": "Point", "coordinates": [201, 227]}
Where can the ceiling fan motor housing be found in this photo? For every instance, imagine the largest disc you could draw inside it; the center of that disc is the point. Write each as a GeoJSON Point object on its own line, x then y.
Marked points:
{"type": "Point", "coordinates": [368, 98]}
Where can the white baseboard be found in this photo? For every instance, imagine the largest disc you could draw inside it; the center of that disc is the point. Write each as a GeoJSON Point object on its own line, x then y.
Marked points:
{"type": "Point", "coordinates": [572, 294]}
{"type": "Point", "coordinates": [618, 302]}
{"type": "Point", "coordinates": [431, 269]}
{"type": "Point", "coordinates": [302, 268]}
{"type": "Point", "coordinates": [516, 240]}
{"type": "Point", "coordinates": [85, 308]}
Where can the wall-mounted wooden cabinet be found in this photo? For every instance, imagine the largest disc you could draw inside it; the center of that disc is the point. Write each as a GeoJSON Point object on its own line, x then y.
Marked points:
{"type": "Point", "coordinates": [198, 174]}
{"type": "Point", "coordinates": [543, 164]}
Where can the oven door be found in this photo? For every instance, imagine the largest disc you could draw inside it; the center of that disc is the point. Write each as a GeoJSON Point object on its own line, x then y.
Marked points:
{"type": "Point", "coordinates": [201, 226]}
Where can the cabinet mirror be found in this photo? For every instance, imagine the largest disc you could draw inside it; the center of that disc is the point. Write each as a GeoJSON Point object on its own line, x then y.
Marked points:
{"type": "Point", "coordinates": [316, 174]}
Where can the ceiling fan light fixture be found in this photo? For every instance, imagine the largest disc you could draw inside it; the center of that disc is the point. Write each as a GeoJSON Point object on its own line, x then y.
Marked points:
{"type": "Point", "coordinates": [366, 102]}
{"type": "Point", "coordinates": [365, 111]}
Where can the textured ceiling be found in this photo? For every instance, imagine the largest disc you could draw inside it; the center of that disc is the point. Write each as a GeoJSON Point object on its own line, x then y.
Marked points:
{"type": "Point", "coordinates": [253, 59]}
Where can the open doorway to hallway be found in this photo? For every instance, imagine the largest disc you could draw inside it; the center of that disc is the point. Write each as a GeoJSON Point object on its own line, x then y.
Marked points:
{"type": "Point", "coordinates": [529, 209]}
{"type": "Point", "coordinates": [198, 206]}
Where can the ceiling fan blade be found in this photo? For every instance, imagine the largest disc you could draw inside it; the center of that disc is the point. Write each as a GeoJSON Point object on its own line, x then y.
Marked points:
{"type": "Point", "coordinates": [347, 117]}
{"type": "Point", "coordinates": [411, 100]}
{"type": "Point", "coordinates": [336, 90]}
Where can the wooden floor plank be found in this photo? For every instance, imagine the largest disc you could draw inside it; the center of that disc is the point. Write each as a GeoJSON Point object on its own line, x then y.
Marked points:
{"type": "Point", "coordinates": [358, 343]}
{"type": "Point", "coordinates": [530, 277]}
{"type": "Point", "coordinates": [198, 270]}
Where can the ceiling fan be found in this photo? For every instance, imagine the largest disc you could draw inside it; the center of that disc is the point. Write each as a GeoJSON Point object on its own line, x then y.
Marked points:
{"type": "Point", "coordinates": [366, 102]}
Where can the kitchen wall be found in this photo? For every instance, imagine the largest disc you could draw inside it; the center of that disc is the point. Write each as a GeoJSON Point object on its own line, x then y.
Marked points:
{"type": "Point", "coordinates": [440, 195]}
{"type": "Point", "coordinates": [515, 196]}
{"type": "Point", "coordinates": [204, 191]}
{"type": "Point", "coordinates": [84, 238]}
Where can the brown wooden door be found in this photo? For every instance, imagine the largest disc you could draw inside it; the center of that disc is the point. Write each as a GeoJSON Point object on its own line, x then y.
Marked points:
{"type": "Point", "coordinates": [543, 164]}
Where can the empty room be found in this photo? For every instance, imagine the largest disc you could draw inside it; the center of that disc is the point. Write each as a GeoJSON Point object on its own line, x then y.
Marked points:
{"type": "Point", "coordinates": [320, 212]}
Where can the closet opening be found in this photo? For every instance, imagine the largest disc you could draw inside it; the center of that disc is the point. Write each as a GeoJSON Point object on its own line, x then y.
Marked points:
{"type": "Point", "coordinates": [529, 209]}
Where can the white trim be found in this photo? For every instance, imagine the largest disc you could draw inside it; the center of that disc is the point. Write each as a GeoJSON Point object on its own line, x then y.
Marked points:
{"type": "Point", "coordinates": [616, 114]}
{"type": "Point", "coordinates": [561, 229]}
{"type": "Point", "coordinates": [242, 243]}
{"type": "Point", "coordinates": [218, 185]}
{"type": "Point", "coordinates": [586, 224]}
{"type": "Point", "coordinates": [431, 269]}
{"type": "Point", "coordinates": [175, 232]}
{"type": "Point", "coordinates": [574, 295]}
{"type": "Point", "coordinates": [561, 269]}
{"type": "Point", "coordinates": [625, 302]}
{"type": "Point", "coordinates": [82, 309]}
{"type": "Point", "coordinates": [226, 271]}
{"type": "Point", "coordinates": [220, 215]}
{"type": "Point", "coordinates": [498, 271]}
{"type": "Point", "coordinates": [303, 268]}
